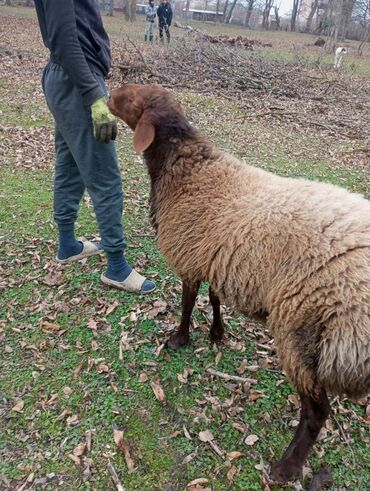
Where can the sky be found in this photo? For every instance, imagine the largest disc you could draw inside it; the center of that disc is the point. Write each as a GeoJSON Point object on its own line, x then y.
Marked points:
{"type": "Point", "coordinates": [285, 6]}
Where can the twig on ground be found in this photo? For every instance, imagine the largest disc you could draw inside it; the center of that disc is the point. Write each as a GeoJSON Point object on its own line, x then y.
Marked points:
{"type": "Point", "coordinates": [114, 476]}
{"type": "Point", "coordinates": [226, 376]}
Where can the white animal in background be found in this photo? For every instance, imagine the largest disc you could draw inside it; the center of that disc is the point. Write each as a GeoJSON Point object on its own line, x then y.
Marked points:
{"type": "Point", "coordinates": [339, 52]}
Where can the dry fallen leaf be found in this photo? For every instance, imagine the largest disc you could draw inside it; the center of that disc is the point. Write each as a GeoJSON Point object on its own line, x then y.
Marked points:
{"type": "Point", "coordinates": [232, 472]}
{"type": "Point", "coordinates": [186, 433]}
{"type": "Point", "coordinates": [143, 377]}
{"type": "Point", "coordinates": [73, 420]}
{"type": "Point", "coordinates": [54, 278]}
{"type": "Point", "coordinates": [205, 436]}
{"type": "Point", "coordinates": [67, 391]}
{"type": "Point", "coordinates": [50, 326]}
{"type": "Point", "coordinates": [235, 455]}
{"type": "Point", "coordinates": [80, 449]}
{"type": "Point", "coordinates": [195, 482]}
{"type": "Point", "coordinates": [18, 408]}
{"type": "Point", "coordinates": [251, 440]}
{"type": "Point", "coordinates": [123, 446]}
{"type": "Point", "coordinates": [158, 390]}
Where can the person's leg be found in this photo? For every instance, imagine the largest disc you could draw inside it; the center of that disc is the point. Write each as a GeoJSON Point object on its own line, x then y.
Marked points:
{"type": "Point", "coordinates": [167, 29]}
{"type": "Point", "coordinates": [151, 32]}
{"type": "Point", "coordinates": [68, 192]}
{"type": "Point", "coordinates": [147, 27]}
{"type": "Point", "coordinates": [98, 167]}
{"type": "Point", "coordinates": [161, 32]}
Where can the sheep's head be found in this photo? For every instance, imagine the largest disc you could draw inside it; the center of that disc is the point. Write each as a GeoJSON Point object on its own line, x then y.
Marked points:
{"type": "Point", "coordinates": [143, 108]}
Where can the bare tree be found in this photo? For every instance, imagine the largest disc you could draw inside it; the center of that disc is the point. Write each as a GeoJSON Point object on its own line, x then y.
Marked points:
{"type": "Point", "coordinates": [225, 9]}
{"type": "Point", "coordinates": [129, 10]}
{"type": "Point", "coordinates": [230, 14]}
{"type": "Point", "coordinates": [266, 14]}
{"type": "Point", "coordinates": [217, 8]}
{"type": "Point", "coordinates": [344, 17]}
{"type": "Point", "coordinates": [249, 12]}
{"type": "Point", "coordinates": [277, 17]}
{"type": "Point", "coordinates": [310, 17]}
{"type": "Point", "coordinates": [293, 20]}
{"type": "Point", "coordinates": [361, 15]}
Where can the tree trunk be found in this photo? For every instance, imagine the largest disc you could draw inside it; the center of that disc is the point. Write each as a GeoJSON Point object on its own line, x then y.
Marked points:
{"type": "Point", "coordinates": [293, 20]}
{"type": "Point", "coordinates": [126, 9]}
{"type": "Point", "coordinates": [345, 17]}
{"type": "Point", "coordinates": [249, 13]}
{"type": "Point", "coordinates": [277, 17]}
{"type": "Point", "coordinates": [310, 17]}
{"type": "Point", "coordinates": [217, 9]}
{"type": "Point", "coordinates": [266, 14]}
{"type": "Point", "coordinates": [225, 8]}
{"type": "Point", "coordinates": [229, 15]}
{"type": "Point", "coordinates": [133, 10]}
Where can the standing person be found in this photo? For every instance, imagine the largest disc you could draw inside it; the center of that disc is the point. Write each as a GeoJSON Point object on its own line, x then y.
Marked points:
{"type": "Point", "coordinates": [164, 13]}
{"type": "Point", "coordinates": [73, 83]}
{"type": "Point", "coordinates": [150, 16]}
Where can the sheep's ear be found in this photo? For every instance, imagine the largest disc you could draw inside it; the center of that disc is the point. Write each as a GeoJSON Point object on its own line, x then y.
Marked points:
{"type": "Point", "coordinates": [144, 135]}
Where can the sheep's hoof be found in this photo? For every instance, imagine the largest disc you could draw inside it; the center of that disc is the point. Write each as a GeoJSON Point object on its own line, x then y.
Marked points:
{"type": "Point", "coordinates": [176, 341]}
{"type": "Point", "coordinates": [284, 471]}
{"type": "Point", "coordinates": [216, 337]}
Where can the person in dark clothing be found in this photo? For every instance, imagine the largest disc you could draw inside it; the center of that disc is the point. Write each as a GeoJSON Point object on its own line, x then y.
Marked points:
{"type": "Point", "coordinates": [164, 13]}
{"type": "Point", "coordinates": [73, 83]}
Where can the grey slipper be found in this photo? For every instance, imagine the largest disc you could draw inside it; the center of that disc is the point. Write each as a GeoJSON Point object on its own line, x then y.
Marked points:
{"type": "Point", "coordinates": [132, 283]}
{"type": "Point", "coordinates": [88, 249]}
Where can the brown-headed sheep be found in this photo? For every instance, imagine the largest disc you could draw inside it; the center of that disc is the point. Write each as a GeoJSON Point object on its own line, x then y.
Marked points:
{"type": "Point", "coordinates": [293, 252]}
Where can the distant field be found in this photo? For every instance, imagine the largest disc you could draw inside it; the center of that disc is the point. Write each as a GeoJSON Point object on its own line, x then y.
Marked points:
{"type": "Point", "coordinates": [289, 46]}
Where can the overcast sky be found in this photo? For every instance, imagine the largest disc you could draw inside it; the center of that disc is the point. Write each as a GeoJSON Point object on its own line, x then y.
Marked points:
{"type": "Point", "coordinates": [285, 6]}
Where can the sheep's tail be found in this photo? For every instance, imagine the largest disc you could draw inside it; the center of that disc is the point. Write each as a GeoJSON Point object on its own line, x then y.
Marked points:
{"type": "Point", "coordinates": [344, 359]}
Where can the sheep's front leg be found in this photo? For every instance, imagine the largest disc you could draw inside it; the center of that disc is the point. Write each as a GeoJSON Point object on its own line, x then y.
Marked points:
{"type": "Point", "coordinates": [314, 412]}
{"type": "Point", "coordinates": [217, 330]}
{"type": "Point", "coordinates": [189, 295]}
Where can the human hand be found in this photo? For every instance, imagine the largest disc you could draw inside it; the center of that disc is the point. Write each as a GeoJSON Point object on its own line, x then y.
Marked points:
{"type": "Point", "coordinates": [105, 124]}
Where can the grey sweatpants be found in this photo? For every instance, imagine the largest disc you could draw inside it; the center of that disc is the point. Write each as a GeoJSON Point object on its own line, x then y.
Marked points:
{"type": "Point", "coordinates": [82, 162]}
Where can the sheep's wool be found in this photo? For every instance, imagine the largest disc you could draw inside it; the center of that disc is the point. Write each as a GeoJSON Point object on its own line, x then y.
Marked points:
{"type": "Point", "coordinates": [292, 251]}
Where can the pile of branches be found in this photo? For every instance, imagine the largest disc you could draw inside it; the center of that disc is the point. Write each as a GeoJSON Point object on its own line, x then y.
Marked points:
{"type": "Point", "coordinates": [235, 41]}
{"type": "Point", "coordinates": [288, 91]}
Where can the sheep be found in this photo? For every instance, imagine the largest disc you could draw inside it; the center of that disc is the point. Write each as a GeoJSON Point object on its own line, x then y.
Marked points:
{"type": "Point", "coordinates": [291, 252]}
{"type": "Point", "coordinates": [339, 52]}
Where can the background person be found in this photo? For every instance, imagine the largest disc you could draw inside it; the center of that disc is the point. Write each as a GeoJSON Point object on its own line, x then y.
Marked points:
{"type": "Point", "coordinates": [165, 14]}
{"type": "Point", "coordinates": [150, 17]}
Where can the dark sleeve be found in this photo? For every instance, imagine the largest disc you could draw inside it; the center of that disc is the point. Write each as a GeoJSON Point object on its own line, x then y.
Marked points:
{"type": "Point", "coordinates": [170, 14]}
{"type": "Point", "coordinates": [66, 49]}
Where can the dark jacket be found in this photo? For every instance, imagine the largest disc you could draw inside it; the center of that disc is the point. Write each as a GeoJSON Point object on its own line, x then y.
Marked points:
{"type": "Point", "coordinates": [74, 33]}
{"type": "Point", "coordinates": [164, 13]}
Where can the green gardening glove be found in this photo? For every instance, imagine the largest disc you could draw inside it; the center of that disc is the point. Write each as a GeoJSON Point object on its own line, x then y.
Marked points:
{"type": "Point", "coordinates": [105, 124]}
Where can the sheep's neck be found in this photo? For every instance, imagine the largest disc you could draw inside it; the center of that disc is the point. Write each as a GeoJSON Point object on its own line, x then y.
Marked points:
{"type": "Point", "coordinates": [169, 135]}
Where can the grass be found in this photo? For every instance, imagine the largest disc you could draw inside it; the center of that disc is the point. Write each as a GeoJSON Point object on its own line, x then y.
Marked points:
{"type": "Point", "coordinates": [75, 370]}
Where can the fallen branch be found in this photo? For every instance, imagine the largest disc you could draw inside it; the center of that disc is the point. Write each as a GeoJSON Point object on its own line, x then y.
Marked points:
{"type": "Point", "coordinates": [236, 378]}
{"type": "Point", "coordinates": [114, 476]}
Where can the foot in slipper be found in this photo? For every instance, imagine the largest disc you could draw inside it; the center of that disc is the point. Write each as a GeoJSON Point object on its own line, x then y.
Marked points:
{"type": "Point", "coordinates": [88, 249]}
{"type": "Point", "coordinates": [135, 283]}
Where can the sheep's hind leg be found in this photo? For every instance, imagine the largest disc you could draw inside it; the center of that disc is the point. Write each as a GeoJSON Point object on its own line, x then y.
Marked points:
{"type": "Point", "coordinates": [181, 336]}
{"type": "Point", "coordinates": [313, 415]}
{"type": "Point", "coordinates": [217, 330]}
